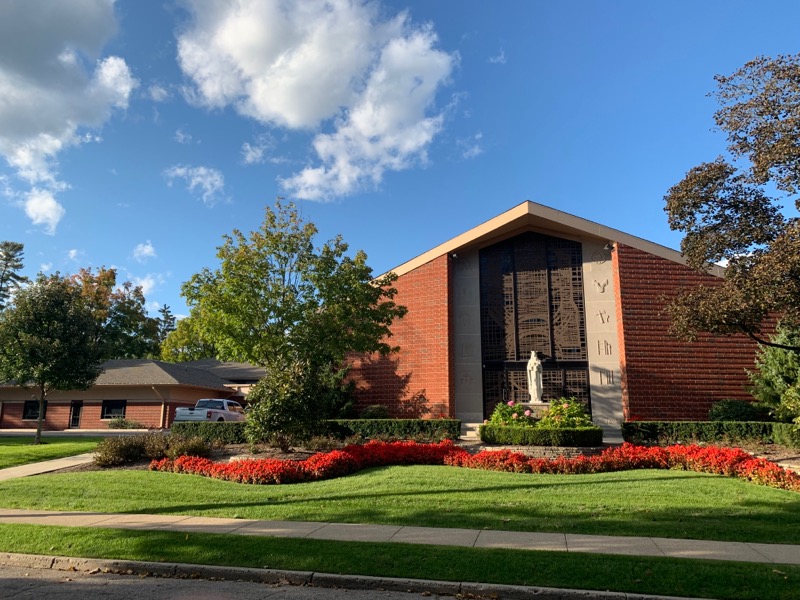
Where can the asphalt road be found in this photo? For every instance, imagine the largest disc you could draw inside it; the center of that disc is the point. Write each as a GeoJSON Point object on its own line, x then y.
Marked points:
{"type": "Point", "coordinates": [48, 584]}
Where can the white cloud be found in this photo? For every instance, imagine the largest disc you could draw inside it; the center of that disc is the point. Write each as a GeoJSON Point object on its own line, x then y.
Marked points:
{"type": "Point", "coordinates": [73, 254]}
{"type": "Point", "coordinates": [144, 251]}
{"type": "Point", "coordinates": [182, 137]}
{"type": "Point", "coordinates": [148, 283]}
{"type": "Point", "coordinates": [471, 147]}
{"type": "Point", "coordinates": [499, 59]}
{"type": "Point", "coordinates": [157, 93]}
{"type": "Point", "coordinates": [45, 267]}
{"type": "Point", "coordinates": [208, 182]}
{"type": "Point", "coordinates": [43, 209]}
{"type": "Point", "coordinates": [252, 154]}
{"type": "Point", "coordinates": [50, 92]}
{"type": "Point", "coordinates": [337, 65]}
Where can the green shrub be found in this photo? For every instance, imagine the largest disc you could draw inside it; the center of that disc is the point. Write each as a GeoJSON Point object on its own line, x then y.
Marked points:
{"type": "Point", "coordinates": [375, 411]}
{"type": "Point", "coordinates": [786, 434]}
{"type": "Point", "coordinates": [582, 437]}
{"type": "Point", "coordinates": [120, 450]}
{"type": "Point", "coordinates": [193, 446]}
{"type": "Point", "coordinates": [512, 414]}
{"type": "Point", "coordinates": [406, 429]}
{"type": "Point", "coordinates": [777, 368]}
{"type": "Point", "coordinates": [127, 449]}
{"type": "Point", "coordinates": [123, 423]}
{"type": "Point", "coordinates": [230, 432]}
{"type": "Point", "coordinates": [155, 445]}
{"type": "Point", "coordinates": [283, 411]}
{"type": "Point", "coordinates": [736, 410]}
{"type": "Point", "coordinates": [565, 413]}
{"type": "Point", "coordinates": [674, 432]}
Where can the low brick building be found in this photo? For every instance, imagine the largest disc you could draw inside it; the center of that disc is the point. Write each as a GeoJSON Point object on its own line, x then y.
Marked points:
{"type": "Point", "coordinates": [142, 390]}
{"type": "Point", "coordinates": [588, 298]}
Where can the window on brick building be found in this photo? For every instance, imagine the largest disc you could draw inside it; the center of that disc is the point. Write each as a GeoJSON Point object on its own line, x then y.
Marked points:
{"type": "Point", "coordinates": [113, 409]}
{"type": "Point", "coordinates": [30, 411]}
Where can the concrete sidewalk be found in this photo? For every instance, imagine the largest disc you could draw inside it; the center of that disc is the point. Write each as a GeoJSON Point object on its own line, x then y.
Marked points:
{"type": "Point", "coordinates": [485, 538]}
{"type": "Point", "coordinates": [559, 542]}
{"type": "Point", "coordinates": [45, 466]}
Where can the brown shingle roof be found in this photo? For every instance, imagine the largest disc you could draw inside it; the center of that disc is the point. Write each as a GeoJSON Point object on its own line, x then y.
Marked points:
{"type": "Point", "coordinates": [155, 372]}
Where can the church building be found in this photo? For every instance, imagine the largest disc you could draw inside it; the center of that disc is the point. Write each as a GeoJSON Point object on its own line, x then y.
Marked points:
{"type": "Point", "coordinates": [588, 299]}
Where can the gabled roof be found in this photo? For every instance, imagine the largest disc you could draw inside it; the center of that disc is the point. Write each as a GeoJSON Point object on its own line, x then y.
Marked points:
{"type": "Point", "coordinates": [144, 371]}
{"type": "Point", "coordinates": [237, 372]}
{"type": "Point", "coordinates": [532, 216]}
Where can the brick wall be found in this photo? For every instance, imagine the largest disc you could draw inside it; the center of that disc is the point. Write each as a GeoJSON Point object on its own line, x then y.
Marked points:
{"type": "Point", "coordinates": [56, 417]}
{"type": "Point", "coordinates": [664, 378]}
{"type": "Point", "coordinates": [416, 381]}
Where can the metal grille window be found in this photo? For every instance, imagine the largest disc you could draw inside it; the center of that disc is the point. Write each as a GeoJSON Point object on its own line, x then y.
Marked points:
{"type": "Point", "coordinates": [532, 301]}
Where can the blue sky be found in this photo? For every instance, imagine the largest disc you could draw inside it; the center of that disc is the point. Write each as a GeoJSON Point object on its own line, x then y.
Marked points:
{"type": "Point", "coordinates": [135, 134]}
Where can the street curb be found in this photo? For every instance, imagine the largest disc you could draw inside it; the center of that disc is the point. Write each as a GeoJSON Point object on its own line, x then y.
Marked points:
{"type": "Point", "coordinates": [328, 580]}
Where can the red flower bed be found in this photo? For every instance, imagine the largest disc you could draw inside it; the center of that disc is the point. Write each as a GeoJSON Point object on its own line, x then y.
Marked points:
{"type": "Point", "coordinates": [731, 462]}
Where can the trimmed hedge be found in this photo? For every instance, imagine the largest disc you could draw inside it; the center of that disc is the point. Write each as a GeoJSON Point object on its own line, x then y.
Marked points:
{"type": "Point", "coordinates": [437, 429]}
{"type": "Point", "coordinates": [234, 432]}
{"type": "Point", "coordinates": [786, 434]}
{"type": "Point", "coordinates": [581, 437]}
{"type": "Point", "coordinates": [673, 432]}
{"type": "Point", "coordinates": [211, 432]}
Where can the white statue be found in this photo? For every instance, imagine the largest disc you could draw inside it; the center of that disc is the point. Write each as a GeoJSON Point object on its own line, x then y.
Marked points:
{"type": "Point", "coordinates": [535, 386]}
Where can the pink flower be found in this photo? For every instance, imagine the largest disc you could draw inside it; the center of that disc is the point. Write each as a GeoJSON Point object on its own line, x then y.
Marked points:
{"type": "Point", "coordinates": [510, 403]}
{"type": "Point", "coordinates": [528, 413]}
{"type": "Point", "coordinates": [565, 405]}
{"type": "Point", "coordinates": [514, 416]}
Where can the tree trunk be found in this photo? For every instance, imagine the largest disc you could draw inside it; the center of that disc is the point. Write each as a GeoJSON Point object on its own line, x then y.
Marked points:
{"type": "Point", "coordinates": [42, 395]}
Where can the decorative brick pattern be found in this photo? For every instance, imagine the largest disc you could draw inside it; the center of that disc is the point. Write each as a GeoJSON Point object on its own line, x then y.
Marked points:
{"type": "Point", "coordinates": [423, 367]}
{"type": "Point", "coordinates": [664, 378]}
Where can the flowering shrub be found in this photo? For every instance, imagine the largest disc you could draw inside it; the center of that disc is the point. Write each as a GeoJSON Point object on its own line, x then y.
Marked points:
{"type": "Point", "coordinates": [512, 413]}
{"type": "Point", "coordinates": [566, 413]}
{"type": "Point", "coordinates": [731, 462]}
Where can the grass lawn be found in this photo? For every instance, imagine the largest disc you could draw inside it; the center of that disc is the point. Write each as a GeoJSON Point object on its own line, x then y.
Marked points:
{"type": "Point", "coordinates": [644, 575]}
{"type": "Point", "coordinates": [15, 451]}
{"type": "Point", "coordinates": [641, 503]}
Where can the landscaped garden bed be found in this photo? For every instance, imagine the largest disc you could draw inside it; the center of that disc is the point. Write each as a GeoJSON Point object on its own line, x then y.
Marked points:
{"type": "Point", "coordinates": [731, 462]}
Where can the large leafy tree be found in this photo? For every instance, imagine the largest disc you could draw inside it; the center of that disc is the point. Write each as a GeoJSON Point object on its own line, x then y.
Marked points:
{"type": "Point", "coordinates": [276, 298]}
{"type": "Point", "coordinates": [728, 214]}
{"type": "Point", "coordinates": [124, 328]}
{"type": "Point", "coordinates": [11, 264]}
{"type": "Point", "coordinates": [184, 343]}
{"type": "Point", "coordinates": [275, 294]}
{"type": "Point", "coordinates": [49, 340]}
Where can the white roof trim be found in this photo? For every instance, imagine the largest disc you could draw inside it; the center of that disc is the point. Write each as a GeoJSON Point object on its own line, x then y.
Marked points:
{"type": "Point", "coordinates": [532, 216]}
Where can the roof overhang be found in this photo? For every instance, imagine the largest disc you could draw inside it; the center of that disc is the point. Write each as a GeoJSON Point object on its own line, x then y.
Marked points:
{"type": "Point", "coordinates": [530, 216]}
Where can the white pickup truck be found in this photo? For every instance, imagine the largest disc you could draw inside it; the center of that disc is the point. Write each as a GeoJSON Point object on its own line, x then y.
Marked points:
{"type": "Point", "coordinates": [211, 409]}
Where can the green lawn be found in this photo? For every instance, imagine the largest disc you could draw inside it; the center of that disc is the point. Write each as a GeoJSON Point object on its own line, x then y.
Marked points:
{"type": "Point", "coordinates": [642, 503]}
{"type": "Point", "coordinates": [643, 575]}
{"type": "Point", "coordinates": [16, 451]}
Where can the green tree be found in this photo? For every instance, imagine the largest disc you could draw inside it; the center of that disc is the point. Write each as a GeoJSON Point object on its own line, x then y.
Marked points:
{"type": "Point", "coordinates": [728, 216]}
{"type": "Point", "coordinates": [49, 341]}
{"type": "Point", "coordinates": [11, 254]}
{"type": "Point", "coordinates": [777, 374]}
{"type": "Point", "coordinates": [124, 328]}
{"type": "Point", "coordinates": [166, 323]}
{"type": "Point", "coordinates": [185, 344]}
{"type": "Point", "coordinates": [277, 295]}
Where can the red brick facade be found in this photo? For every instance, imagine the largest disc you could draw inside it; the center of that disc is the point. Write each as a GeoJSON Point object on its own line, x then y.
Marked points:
{"type": "Point", "coordinates": [57, 415]}
{"type": "Point", "coordinates": [664, 378]}
{"type": "Point", "coordinates": [417, 381]}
